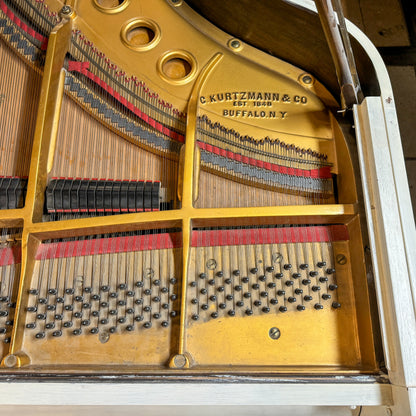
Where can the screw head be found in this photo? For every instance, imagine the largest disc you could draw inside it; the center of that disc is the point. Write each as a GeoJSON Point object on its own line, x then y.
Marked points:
{"type": "Point", "coordinates": [235, 44]}
{"type": "Point", "coordinates": [277, 258]}
{"type": "Point", "coordinates": [274, 333]}
{"type": "Point", "coordinates": [179, 361]}
{"type": "Point", "coordinates": [104, 337]}
{"type": "Point", "coordinates": [66, 10]}
{"type": "Point", "coordinates": [211, 264]}
{"type": "Point", "coordinates": [341, 259]}
{"type": "Point", "coordinates": [307, 79]}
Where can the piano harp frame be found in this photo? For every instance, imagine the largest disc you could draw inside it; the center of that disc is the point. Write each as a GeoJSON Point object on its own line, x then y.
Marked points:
{"type": "Point", "coordinates": [397, 335]}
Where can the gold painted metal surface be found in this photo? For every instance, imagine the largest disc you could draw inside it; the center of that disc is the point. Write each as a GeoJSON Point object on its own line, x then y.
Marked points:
{"type": "Point", "coordinates": [265, 100]}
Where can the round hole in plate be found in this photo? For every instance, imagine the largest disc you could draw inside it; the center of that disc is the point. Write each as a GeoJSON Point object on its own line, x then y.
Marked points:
{"type": "Point", "coordinates": [177, 67]}
{"type": "Point", "coordinates": [111, 6]}
{"type": "Point", "coordinates": [140, 34]}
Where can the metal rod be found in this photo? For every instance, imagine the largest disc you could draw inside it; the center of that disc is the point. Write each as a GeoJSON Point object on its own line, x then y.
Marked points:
{"type": "Point", "coordinates": [340, 47]}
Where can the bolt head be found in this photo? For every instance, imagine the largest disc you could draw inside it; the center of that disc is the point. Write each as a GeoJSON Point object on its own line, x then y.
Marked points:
{"type": "Point", "coordinates": [274, 333]}
{"type": "Point", "coordinates": [104, 337]}
{"type": "Point", "coordinates": [341, 259]}
{"type": "Point", "coordinates": [66, 10]}
{"type": "Point", "coordinates": [235, 44]}
{"type": "Point", "coordinates": [307, 79]}
{"type": "Point", "coordinates": [179, 361]}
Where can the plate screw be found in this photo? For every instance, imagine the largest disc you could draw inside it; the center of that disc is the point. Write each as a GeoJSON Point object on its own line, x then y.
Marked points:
{"type": "Point", "coordinates": [211, 264]}
{"type": "Point", "coordinates": [235, 44]}
{"type": "Point", "coordinates": [149, 273]}
{"type": "Point", "coordinates": [179, 361]}
{"type": "Point", "coordinates": [274, 333]}
{"type": "Point", "coordinates": [341, 259]}
{"type": "Point", "coordinates": [277, 258]}
{"type": "Point", "coordinates": [307, 79]}
{"type": "Point", "coordinates": [66, 10]}
{"type": "Point", "coordinates": [104, 337]}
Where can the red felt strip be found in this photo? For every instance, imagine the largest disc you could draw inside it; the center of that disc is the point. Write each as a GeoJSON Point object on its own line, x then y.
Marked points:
{"type": "Point", "coordinates": [251, 236]}
{"type": "Point", "coordinates": [109, 245]}
{"type": "Point", "coordinates": [82, 68]}
{"type": "Point", "coordinates": [321, 173]}
{"type": "Point", "coordinates": [10, 255]}
{"type": "Point", "coordinates": [23, 26]}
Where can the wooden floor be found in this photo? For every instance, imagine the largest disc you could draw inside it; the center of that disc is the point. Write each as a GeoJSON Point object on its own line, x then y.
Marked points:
{"type": "Point", "coordinates": [391, 25]}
